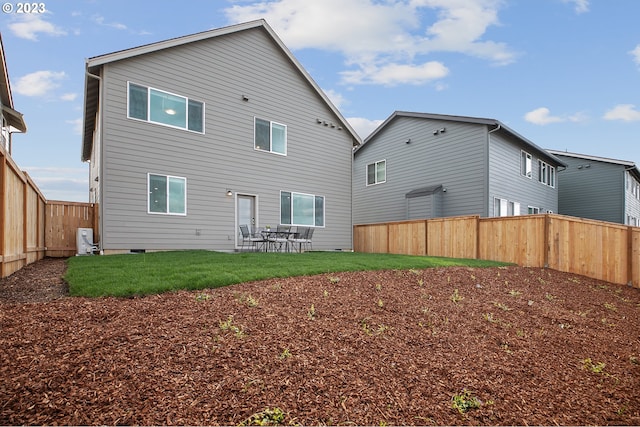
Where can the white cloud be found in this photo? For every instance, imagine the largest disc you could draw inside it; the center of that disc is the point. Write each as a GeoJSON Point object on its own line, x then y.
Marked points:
{"type": "Point", "coordinates": [39, 83]}
{"type": "Point", "coordinates": [542, 116]}
{"type": "Point", "coordinates": [336, 98]}
{"type": "Point", "coordinates": [580, 6]}
{"type": "Point", "coordinates": [76, 125]}
{"type": "Point", "coordinates": [624, 112]}
{"type": "Point", "coordinates": [635, 53]}
{"type": "Point", "coordinates": [69, 97]}
{"type": "Point", "coordinates": [362, 126]}
{"type": "Point", "coordinates": [378, 38]}
{"type": "Point", "coordinates": [100, 20]}
{"type": "Point", "coordinates": [393, 74]}
{"type": "Point", "coordinates": [70, 184]}
{"type": "Point", "coordinates": [30, 25]}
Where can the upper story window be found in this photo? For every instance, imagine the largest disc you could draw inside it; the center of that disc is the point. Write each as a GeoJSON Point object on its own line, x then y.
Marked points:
{"type": "Point", "coordinates": [377, 172]}
{"type": "Point", "coordinates": [546, 174]}
{"type": "Point", "coordinates": [270, 136]}
{"type": "Point", "coordinates": [633, 186]}
{"type": "Point", "coordinates": [167, 194]}
{"type": "Point", "coordinates": [165, 108]}
{"type": "Point", "coordinates": [301, 209]}
{"type": "Point", "coordinates": [525, 164]}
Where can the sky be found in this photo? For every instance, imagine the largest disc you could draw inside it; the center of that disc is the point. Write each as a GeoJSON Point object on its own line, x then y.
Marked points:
{"type": "Point", "coordinates": [565, 74]}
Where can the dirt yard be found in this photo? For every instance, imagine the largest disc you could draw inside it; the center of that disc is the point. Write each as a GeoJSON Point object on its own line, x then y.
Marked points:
{"type": "Point", "coordinates": [498, 346]}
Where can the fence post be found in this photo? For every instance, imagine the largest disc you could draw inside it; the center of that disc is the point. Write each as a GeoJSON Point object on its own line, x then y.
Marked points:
{"type": "Point", "coordinates": [25, 220]}
{"type": "Point", "coordinates": [3, 208]}
{"type": "Point", "coordinates": [630, 255]}
{"type": "Point", "coordinates": [546, 248]}
{"type": "Point", "coordinates": [426, 237]}
{"type": "Point", "coordinates": [477, 251]}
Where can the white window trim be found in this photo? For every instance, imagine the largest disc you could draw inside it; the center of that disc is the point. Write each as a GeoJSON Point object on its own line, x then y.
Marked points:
{"type": "Point", "coordinates": [549, 174]}
{"type": "Point", "coordinates": [529, 157]}
{"type": "Point", "coordinates": [149, 194]}
{"type": "Point", "coordinates": [270, 150]}
{"type": "Point", "coordinates": [324, 209]}
{"type": "Point", "coordinates": [505, 206]}
{"type": "Point", "coordinates": [187, 99]}
{"type": "Point", "coordinates": [366, 172]}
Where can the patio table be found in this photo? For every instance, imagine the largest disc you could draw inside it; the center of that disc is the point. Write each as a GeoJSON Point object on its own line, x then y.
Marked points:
{"type": "Point", "coordinates": [269, 237]}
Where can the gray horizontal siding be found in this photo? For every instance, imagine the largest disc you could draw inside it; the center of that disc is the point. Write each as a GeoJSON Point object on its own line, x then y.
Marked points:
{"type": "Point", "coordinates": [595, 192]}
{"type": "Point", "coordinates": [456, 159]}
{"type": "Point", "coordinates": [632, 202]}
{"type": "Point", "coordinates": [218, 72]}
{"type": "Point", "coordinates": [507, 182]}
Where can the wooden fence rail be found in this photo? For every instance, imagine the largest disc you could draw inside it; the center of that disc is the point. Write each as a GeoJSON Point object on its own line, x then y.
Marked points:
{"type": "Point", "coordinates": [32, 227]}
{"type": "Point", "coordinates": [596, 249]}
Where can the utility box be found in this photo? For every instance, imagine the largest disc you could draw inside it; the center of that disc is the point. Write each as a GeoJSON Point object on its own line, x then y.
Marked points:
{"type": "Point", "coordinates": [84, 241]}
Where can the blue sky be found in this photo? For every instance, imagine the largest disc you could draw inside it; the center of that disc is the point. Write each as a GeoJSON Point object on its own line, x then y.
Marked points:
{"type": "Point", "coordinates": [565, 74]}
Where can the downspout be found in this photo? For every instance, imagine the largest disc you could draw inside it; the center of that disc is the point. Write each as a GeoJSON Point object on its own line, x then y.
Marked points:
{"type": "Point", "coordinates": [100, 168]}
{"type": "Point", "coordinates": [487, 202]}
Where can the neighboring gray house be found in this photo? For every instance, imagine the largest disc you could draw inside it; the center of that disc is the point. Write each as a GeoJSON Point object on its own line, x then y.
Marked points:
{"type": "Point", "coordinates": [599, 188]}
{"type": "Point", "coordinates": [418, 165]}
{"type": "Point", "coordinates": [12, 120]}
{"type": "Point", "coordinates": [191, 137]}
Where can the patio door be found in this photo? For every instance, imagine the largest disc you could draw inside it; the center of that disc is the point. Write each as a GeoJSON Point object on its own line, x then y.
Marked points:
{"type": "Point", "coordinates": [246, 211]}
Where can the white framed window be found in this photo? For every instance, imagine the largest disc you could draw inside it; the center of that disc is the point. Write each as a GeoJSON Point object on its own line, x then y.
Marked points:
{"type": "Point", "coordinates": [301, 209]}
{"type": "Point", "coordinates": [377, 172]}
{"type": "Point", "coordinates": [270, 136]}
{"type": "Point", "coordinates": [526, 167]}
{"type": "Point", "coordinates": [164, 108]}
{"type": "Point", "coordinates": [546, 174]}
{"type": "Point", "coordinates": [533, 210]}
{"type": "Point", "coordinates": [514, 208]}
{"type": "Point", "coordinates": [504, 207]}
{"type": "Point", "coordinates": [167, 194]}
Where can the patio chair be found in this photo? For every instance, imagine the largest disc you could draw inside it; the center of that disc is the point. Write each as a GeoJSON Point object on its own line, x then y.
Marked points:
{"type": "Point", "coordinates": [308, 244]}
{"type": "Point", "coordinates": [281, 238]}
{"type": "Point", "coordinates": [299, 238]}
{"type": "Point", "coordinates": [248, 239]}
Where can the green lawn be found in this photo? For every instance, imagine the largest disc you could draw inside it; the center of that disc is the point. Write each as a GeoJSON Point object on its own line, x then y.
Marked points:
{"type": "Point", "coordinates": [152, 273]}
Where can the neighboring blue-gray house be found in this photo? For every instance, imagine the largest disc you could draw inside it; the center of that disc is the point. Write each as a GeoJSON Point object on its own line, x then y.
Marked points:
{"type": "Point", "coordinates": [191, 137]}
{"type": "Point", "coordinates": [12, 120]}
{"type": "Point", "coordinates": [418, 165]}
{"type": "Point", "coordinates": [599, 188]}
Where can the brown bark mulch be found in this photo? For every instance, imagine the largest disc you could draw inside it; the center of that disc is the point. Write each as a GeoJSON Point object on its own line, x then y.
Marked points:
{"type": "Point", "coordinates": [531, 346]}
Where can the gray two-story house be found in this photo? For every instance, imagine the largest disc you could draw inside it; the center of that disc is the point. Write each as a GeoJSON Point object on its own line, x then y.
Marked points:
{"type": "Point", "coordinates": [419, 165]}
{"type": "Point", "coordinates": [599, 188]}
{"type": "Point", "coordinates": [191, 137]}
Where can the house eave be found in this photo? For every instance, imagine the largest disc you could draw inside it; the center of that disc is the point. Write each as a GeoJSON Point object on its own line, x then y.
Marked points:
{"type": "Point", "coordinates": [499, 126]}
{"type": "Point", "coordinates": [94, 66]}
{"type": "Point", "coordinates": [628, 165]}
{"type": "Point", "coordinates": [14, 118]}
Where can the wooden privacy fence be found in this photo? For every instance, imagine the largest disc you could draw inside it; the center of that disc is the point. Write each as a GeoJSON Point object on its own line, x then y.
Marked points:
{"type": "Point", "coordinates": [32, 227]}
{"type": "Point", "coordinates": [596, 249]}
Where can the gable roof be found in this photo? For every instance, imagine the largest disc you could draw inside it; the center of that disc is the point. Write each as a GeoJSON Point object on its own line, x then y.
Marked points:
{"type": "Point", "coordinates": [499, 127]}
{"type": "Point", "coordinates": [13, 117]}
{"type": "Point", "coordinates": [628, 165]}
{"type": "Point", "coordinates": [94, 66]}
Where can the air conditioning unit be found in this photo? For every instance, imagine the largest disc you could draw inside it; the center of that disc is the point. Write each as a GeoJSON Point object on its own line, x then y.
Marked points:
{"type": "Point", "coordinates": [84, 241]}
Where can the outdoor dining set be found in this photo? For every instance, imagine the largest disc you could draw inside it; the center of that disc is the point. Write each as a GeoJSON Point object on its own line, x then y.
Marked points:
{"type": "Point", "coordinates": [284, 238]}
